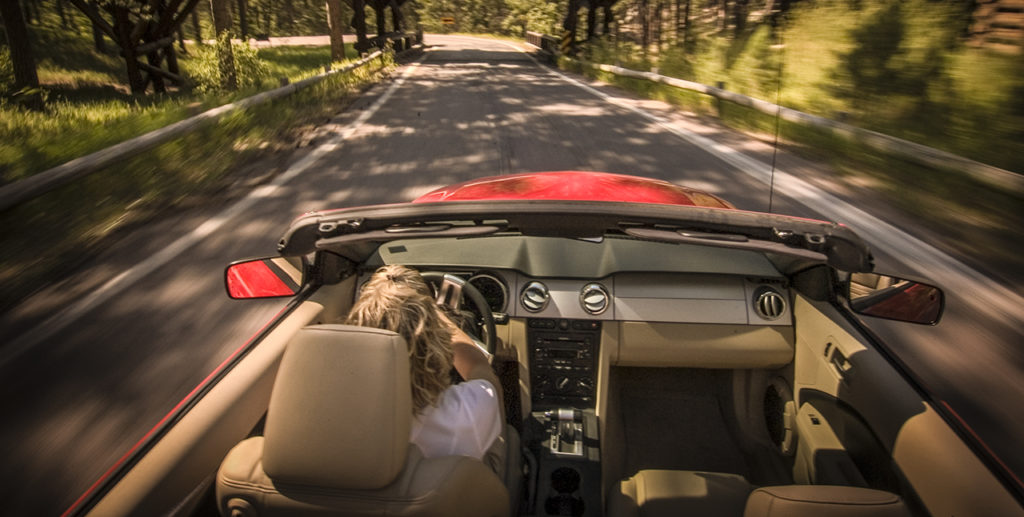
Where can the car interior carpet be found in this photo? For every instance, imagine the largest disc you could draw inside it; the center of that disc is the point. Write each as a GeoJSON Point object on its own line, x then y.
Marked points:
{"type": "Point", "coordinates": [673, 419]}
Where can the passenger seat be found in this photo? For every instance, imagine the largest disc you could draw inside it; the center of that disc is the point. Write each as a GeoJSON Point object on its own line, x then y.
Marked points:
{"type": "Point", "coordinates": [654, 493]}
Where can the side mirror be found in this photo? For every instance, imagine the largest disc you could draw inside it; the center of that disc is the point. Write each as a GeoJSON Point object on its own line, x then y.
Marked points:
{"type": "Point", "coordinates": [898, 299]}
{"type": "Point", "coordinates": [262, 278]}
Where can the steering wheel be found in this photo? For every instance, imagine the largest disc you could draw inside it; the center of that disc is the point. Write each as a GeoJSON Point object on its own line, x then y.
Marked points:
{"type": "Point", "coordinates": [450, 292]}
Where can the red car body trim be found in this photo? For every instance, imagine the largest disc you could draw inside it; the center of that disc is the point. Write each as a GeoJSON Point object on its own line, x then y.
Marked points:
{"type": "Point", "coordinates": [977, 439]}
{"type": "Point", "coordinates": [575, 186]}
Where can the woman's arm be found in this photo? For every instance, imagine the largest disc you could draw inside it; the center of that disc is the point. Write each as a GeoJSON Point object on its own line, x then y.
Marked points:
{"type": "Point", "coordinates": [472, 363]}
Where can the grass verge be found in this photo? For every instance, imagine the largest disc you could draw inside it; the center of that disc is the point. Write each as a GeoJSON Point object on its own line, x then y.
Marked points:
{"type": "Point", "coordinates": [50, 236]}
{"type": "Point", "coordinates": [32, 142]}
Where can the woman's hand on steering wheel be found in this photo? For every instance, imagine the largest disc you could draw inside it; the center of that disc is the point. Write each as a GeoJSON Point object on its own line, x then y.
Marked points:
{"type": "Point", "coordinates": [451, 290]}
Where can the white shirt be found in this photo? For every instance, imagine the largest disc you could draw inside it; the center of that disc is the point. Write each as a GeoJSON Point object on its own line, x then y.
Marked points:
{"type": "Point", "coordinates": [465, 422]}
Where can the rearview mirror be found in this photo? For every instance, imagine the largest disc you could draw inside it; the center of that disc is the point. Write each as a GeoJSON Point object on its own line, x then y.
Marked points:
{"type": "Point", "coordinates": [262, 278]}
{"type": "Point", "coordinates": [892, 298]}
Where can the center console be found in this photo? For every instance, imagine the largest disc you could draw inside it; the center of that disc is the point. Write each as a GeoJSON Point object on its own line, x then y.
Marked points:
{"type": "Point", "coordinates": [563, 362]}
{"type": "Point", "coordinates": [562, 432]}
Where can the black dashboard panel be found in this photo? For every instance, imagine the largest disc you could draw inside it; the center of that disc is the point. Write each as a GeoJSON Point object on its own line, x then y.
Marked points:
{"type": "Point", "coordinates": [563, 359]}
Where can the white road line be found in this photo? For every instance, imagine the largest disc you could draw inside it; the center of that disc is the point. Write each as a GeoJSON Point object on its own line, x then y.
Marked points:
{"type": "Point", "coordinates": [76, 310]}
{"type": "Point", "coordinates": [985, 294]}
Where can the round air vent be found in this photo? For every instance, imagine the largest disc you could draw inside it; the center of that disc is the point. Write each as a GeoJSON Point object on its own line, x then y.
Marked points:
{"type": "Point", "coordinates": [769, 304]}
{"type": "Point", "coordinates": [535, 297]}
{"type": "Point", "coordinates": [594, 298]}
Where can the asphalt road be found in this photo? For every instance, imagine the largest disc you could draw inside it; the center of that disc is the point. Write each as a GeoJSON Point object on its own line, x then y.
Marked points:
{"type": "Point", "coordinates": [79, 391]}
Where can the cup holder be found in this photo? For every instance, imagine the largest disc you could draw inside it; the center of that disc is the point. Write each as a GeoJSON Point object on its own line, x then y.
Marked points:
{"type": "Point", "coordinates": [565, 481]}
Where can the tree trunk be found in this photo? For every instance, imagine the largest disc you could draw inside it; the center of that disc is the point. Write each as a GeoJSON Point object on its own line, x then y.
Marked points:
{"type": "Point", "coordinates": [607, 18]}
{"type": "Point", "coordinates": [740, 16]}
{"type": "Point", "coordinates": [678, 15]}
{"type": "Point", "coordinates": [396, 16]}
{"type": "Point", "coordinates": [97, 32]}
{"type": "Point", "coordinates": [686, 22]}
{"type": "Point", "coordinates": [571, 22]}
{"type": "Point", "coordinates": [124, 27]}
{"type": "Point", "coordinates": [286, 22]}
{"type": "Point", "coordinates": [336, 23]}
{"type": "Point", "coordinates": [196, 30]}
{"type": "Point", "coordinates": [66, 22]}
{"type": "Point", "coordinates": [221, 10]}
{"type": "Point", "coordinates": [659, 11]}
{"type": "Point", "coordinates": [359, 24]}
{"type": "Point", "coordinates": [591, 19]}
{"type": "Point", "coordinates": [30, 10]}
{"type": "Point", "coordinates": [243, 24]}
{"type": "Point", "coordinates": [268, 13]}
{"type": "Point", "coordinates": [378, 9]}
{"type": "Point", "coordinates": [24, 61]}
{"type": "Point", "coordinates": [645, 26]}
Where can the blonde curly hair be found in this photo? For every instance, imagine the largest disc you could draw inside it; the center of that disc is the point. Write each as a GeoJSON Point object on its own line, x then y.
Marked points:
{"type": "Point", "coordinates": [396, 298]}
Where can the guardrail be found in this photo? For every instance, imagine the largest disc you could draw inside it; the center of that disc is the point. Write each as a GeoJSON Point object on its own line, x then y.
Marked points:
{"type": "Point", "coordinates": [38, 184]}
{"type": "Point", "coordinates": [546, 44]}
{"type": "Point", "coordinates": [915, 152]}
{"type": "Point", "coordinates": [889, 144]}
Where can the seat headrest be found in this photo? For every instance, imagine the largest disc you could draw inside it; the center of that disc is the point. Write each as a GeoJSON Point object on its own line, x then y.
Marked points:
{"type": "Point", "coordinates": [341, 409]}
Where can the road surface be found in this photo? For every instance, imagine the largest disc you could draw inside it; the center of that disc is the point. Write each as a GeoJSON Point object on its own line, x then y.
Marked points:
{"type": "Point", "coordinates": [81, 387]}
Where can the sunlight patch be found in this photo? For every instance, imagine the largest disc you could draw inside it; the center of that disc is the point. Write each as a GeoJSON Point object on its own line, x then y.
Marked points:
{"type": "Point", "coordinates": [575, 110]}
{"type": "Point", "coordinates": [411, 193]}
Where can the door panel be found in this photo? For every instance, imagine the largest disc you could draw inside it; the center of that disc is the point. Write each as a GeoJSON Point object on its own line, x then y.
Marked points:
{"type": "Point", "coordinates": [896, 440]}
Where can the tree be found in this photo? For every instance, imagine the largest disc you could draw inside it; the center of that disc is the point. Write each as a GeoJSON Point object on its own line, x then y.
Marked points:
{"type": "Point", "coordinates": [683, 22]}
{"type": "Point", "coordinates": [142, 28]}
{"type": "Point", "coordinates": [97, 34]}
{"type": "Point", "coordinates": [740, 16]}
{"type": "Point", "coordinates": [25, 77]}
{"type": "Point", "coordinates": [336, 22]}
{"type": "Point", "coordinates": [243, 22]}
{"type": "Point", "coordinates": [221, 10]}
{"type": "Point", "coordinates": [359, 24]}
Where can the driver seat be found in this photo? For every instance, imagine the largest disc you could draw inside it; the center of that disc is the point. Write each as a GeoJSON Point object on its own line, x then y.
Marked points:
{"type": "Point", "coordinates": [336, 440]}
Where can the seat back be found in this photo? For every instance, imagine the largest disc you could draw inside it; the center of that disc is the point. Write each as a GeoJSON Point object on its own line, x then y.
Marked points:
{"type": "Point", "coordinates": [336, 440]}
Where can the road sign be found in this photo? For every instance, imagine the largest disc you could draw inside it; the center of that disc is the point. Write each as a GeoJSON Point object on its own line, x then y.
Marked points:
{"type": "Point", "coordinates": [448, 20]}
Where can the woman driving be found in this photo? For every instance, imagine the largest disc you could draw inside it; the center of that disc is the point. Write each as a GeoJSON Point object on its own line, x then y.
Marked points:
{"type": "Point", "coordinates": [449, 419]}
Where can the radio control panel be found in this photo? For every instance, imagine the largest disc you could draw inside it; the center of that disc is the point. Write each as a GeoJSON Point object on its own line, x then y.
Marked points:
{"type": "Point", "coordinates": [563, 361]}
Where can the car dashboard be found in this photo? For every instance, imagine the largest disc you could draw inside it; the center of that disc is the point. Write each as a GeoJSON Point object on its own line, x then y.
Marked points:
{"type": "Point", "coordinates": [566, 331]}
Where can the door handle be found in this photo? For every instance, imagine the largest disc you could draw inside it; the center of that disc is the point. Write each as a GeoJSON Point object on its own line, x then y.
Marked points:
{"type": "Point", "coordinates": [840, 362]}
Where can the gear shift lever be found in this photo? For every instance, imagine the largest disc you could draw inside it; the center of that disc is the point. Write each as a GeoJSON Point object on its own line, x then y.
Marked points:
{"type": "Point", "coordinates": [566, 431]}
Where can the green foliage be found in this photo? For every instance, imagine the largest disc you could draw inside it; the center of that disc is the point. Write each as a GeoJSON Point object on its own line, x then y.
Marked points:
{"type": "Point", "coordinates": [531, 15]}
{"type": "Point", "coordinates": [481, 16]}
{"type": "Point", "coordinates": [900, 68]}
{"type": "Point", "coordinates": [204, 69]}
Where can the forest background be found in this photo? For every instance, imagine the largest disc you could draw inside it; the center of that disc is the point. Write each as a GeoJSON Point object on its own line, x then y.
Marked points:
{"type": "Point", "coordinates": [946, 74]}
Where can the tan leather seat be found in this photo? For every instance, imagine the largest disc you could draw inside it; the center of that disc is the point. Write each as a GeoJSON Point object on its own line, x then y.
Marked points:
{"type": "Point", "coordinates": [654, 493]}
{"type": "Point", "coordinates": [336, 440]}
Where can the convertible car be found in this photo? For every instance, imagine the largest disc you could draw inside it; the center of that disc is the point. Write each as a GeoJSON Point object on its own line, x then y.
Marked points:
{"type": "Point", "coordinates": [659, 352]}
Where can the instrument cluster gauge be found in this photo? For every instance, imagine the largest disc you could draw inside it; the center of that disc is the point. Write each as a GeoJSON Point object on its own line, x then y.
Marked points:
{"type": "Point", "coordinates": [493, 290]}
